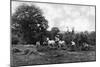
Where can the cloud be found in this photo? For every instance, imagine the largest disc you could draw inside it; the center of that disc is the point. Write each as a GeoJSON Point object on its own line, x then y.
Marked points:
{"type": "Point", "coordinates": [82, 18]}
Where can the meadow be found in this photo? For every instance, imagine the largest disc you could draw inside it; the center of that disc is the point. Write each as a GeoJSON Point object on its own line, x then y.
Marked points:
{"type": "Point", "coordinates": [49, 56]}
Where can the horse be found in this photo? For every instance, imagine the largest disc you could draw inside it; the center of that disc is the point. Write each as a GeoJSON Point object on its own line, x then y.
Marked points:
{"type": "Point", "coordinates": [85, 46]}
{"type": "Point", "coordinates": [61, 43]}
{"type": "Point", "coordinates": [50, 42]}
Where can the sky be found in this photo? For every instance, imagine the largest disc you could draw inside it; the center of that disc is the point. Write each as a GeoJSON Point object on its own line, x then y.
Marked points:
{"type": "Point", "coordinates": [63, 16]}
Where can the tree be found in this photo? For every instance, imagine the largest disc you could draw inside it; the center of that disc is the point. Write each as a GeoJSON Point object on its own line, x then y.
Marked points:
{"type": "Point", "coordinates": [92, 38]}
{"type": "Point", "coordinates": [29, 23]}
{"type": "Point", "coordinates": [54, 32]}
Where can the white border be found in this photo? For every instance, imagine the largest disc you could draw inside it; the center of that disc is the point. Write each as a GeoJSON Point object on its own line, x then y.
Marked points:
{"type": "Point", "coordinates": [5, 33]}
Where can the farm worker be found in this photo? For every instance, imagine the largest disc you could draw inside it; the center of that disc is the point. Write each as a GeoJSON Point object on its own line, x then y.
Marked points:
{"type": "Point", "coordinates": [72, 45]}
{"type": "Point", "coordinates": [37, 43]}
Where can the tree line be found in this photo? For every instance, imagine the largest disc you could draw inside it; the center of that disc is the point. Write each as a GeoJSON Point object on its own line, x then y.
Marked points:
{"type": "Point", "coordinates": [28, 25]}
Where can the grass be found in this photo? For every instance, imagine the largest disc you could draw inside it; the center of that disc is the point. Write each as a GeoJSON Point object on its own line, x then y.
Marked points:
{"type": "Point", "coordinates": [51, 57]}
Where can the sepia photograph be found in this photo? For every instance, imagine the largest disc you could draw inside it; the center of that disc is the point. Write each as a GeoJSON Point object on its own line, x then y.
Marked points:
{"type": "Point", "coordinates": [51, 33]}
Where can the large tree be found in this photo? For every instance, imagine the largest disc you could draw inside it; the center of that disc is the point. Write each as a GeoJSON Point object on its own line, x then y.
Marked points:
{"type": "Point", "coordinates": [54, 32]}
{"type": "Point", "coordinates": [28, 23]}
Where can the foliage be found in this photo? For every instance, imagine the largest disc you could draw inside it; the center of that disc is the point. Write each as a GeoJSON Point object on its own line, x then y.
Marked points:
{"type": "Point", "coordinates": [28, 23]}
{"type": "Point", "coordinates": [79, 38]}
{"type": "Point", "coordinates": [54, 32]}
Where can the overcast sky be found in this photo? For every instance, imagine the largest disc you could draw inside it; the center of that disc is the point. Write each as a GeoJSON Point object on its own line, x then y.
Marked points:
{"type": "Point", "coordinates": [82, 18]}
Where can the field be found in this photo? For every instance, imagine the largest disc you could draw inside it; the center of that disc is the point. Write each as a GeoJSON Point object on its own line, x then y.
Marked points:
{"type": "Point", "coordinates": [35, 57]}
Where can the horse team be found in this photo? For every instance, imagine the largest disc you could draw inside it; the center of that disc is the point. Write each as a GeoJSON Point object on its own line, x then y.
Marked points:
{"type": "Point", "coordinates": [58, 43]}
{"type": "Point", "coordinates": [52, 43]}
